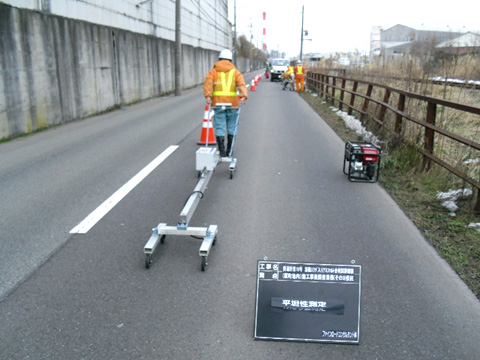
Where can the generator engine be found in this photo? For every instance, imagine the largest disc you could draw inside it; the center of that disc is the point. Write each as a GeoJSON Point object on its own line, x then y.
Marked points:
{"type": "Point", "coordinates": [362, 161]}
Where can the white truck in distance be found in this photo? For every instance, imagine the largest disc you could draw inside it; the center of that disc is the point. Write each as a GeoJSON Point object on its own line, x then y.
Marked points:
{"type": "Point", "coordinates": [279, 66]}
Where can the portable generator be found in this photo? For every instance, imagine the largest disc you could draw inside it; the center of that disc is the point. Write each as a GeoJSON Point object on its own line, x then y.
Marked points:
{"type": "Point", "coordinates": [362, 161]}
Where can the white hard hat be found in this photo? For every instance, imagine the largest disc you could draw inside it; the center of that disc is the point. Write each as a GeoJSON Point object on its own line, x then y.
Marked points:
{"type": "Point", "coordinates": [225, 54]}
{"type": "Point", "coordinates": [299, 62]}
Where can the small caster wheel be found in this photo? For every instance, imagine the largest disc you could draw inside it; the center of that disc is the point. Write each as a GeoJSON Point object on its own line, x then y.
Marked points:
{"type": "Point", "coordinates": [214, 241]}
{"type": "Point", "coordinates": [148, 260]}
{"type": "Point", "coordinates": [162, 239]}
{"type": "Point", "coordinates": [204, 263]}
{"type": "Point", "coordinates": [231, 175]}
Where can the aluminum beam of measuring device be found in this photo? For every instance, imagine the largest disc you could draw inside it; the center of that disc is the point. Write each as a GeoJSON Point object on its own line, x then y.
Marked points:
{"type": "Point", "coordinates": [163, 229]}
{"type": "Point", "coordinates": [113, 200]}
{"type": "Point", "coordinates": [208, 240]}
{"type": "Point", "coordinates": [194, 199]}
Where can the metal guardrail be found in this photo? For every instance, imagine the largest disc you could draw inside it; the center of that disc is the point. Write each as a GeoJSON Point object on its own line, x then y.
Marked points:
{"type": "Point", "coordinates": [409, 117]}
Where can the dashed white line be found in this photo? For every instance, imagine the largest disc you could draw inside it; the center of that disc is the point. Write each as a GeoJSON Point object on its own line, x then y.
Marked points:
{"type": "Point", "coordinates": [113, 200]}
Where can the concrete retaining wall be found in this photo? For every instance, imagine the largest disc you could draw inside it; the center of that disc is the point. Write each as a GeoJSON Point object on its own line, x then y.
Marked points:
{"type": "Point", "coordinates": [54, 69]}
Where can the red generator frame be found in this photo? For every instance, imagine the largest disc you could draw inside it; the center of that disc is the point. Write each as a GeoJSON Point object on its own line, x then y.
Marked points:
{"type": "Point", "coordinates": [362, 161]}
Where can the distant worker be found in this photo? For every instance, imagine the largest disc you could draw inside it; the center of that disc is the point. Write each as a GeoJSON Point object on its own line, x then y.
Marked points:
{"type": "Point", "coordinates": [284, 80]}
{"type": "Point", "coordinates": [299, 80]}
{"type": "Point", "coordinates": [287, 76]}
{"type": "Point", "coordinates": [289, 69]}
{"type": "Point", "coordinates": [221, 86]}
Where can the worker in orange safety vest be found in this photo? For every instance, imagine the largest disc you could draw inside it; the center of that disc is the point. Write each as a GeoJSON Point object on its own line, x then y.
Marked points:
{"type": "Point", "coordinates": [221, 86]}
{"type": "Point", "coordinates": [299, 80]}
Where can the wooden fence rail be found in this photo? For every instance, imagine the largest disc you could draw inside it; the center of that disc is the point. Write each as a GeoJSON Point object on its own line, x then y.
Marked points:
{"type": "Point", "coordinates": [445, 132]}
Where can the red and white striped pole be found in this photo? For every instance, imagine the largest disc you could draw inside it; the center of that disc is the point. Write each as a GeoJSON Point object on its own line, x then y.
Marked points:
{"type": "Point", "coordinates": [264, 33]}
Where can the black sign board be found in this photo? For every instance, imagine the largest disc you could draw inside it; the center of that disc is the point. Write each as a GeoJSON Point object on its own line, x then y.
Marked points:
{"type": "Point", "coordinates": [308, 302]}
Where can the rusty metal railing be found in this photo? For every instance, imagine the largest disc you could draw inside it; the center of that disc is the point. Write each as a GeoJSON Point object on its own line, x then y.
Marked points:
{"type": "Point", "coordinates": [446, 133]}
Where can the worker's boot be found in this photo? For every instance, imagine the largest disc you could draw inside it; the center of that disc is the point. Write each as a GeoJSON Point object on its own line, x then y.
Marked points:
{"type": "Point", "coordinates": [221, 145]}
{"type": "Point", "coordinates": [229, 143]}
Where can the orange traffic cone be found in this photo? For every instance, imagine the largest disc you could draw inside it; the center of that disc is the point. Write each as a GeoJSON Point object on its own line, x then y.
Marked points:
{"type": "Point", "coordinates": [207, 129]}
{"type": "Point", "coordinates": [256, 80]}
{"type": "Point", "coordinates": [252, 85]}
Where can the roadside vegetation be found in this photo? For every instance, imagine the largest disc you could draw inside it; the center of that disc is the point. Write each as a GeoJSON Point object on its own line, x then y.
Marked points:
{"type": "Point", "coordinates": [418, 193]}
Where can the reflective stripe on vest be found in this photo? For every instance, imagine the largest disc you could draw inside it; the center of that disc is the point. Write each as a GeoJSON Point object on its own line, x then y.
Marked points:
{"type": "Point", "coordinates": [300, 69]}
{"type": "Point", "coordinates": [226, 85]}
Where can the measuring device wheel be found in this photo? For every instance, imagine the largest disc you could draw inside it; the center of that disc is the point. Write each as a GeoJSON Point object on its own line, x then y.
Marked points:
{"type": "Point", "coordinates": [148, 260]}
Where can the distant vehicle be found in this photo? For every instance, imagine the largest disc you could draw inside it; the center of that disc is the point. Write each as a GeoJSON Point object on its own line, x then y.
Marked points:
{"type": "Point", "coordinates": [279, 66]}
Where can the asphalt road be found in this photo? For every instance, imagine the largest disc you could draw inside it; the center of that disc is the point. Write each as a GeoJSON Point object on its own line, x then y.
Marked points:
{"type": "Point", "coordinates": [89, 296]}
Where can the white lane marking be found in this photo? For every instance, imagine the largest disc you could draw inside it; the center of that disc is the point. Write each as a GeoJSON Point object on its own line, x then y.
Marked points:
{"type": "Point", "coordinates": [113, 200]}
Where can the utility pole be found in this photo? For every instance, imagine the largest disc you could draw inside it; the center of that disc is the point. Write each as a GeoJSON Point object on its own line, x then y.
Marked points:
{"type": "Point", "coordinates": [251, 45]}
{"type": "Point", "coordinates": [234, 46]}
{"type": "Point", "coordinates": [301, 38]}
{"type": "Point", "coordinates": [178, 48]}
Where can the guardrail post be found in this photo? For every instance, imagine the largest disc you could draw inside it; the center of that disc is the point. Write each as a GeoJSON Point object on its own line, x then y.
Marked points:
{"type": "Point", "coordinates": [342, 94]}
{"type": "Point", "coordinates": [365, 103]}
{"type": "Point", "coordinates": [398, 118]}
{"type": "Point", "coordinates": [352, 97]}
{"type": "Point", "coordinates": [383, 108]}
{"type": "Point", "coordinates": [327, 85]}
{"type": "Point", "coordinates": [322, 86]}
{"type": "Point", "coordinates": [429, 135]}
{"type": "Point", "coordinates": [314, 81]}
{"type": "Point", "coordinates": [334, 84]}
{"type": "Point", "coordinates": [476, 209]}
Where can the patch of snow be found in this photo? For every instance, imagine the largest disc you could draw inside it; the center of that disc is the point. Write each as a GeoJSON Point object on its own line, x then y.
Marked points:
{"type": "Point", "coordinates": [451, 196]}
{"type": "Point", "coordinates": [353, 124]}
{"type": "Point", "coordinates": [450, 205]}
{"type": "Point", "coordinates": [454, 194]}
{"type": "Point", "coordinates": [456, 81]}
{"type": "Point", "coordinates": [476, 226]}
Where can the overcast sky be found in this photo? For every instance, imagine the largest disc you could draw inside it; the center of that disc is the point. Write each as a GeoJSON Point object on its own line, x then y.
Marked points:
{"type": "Point", "coordinates": [337, 25]}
